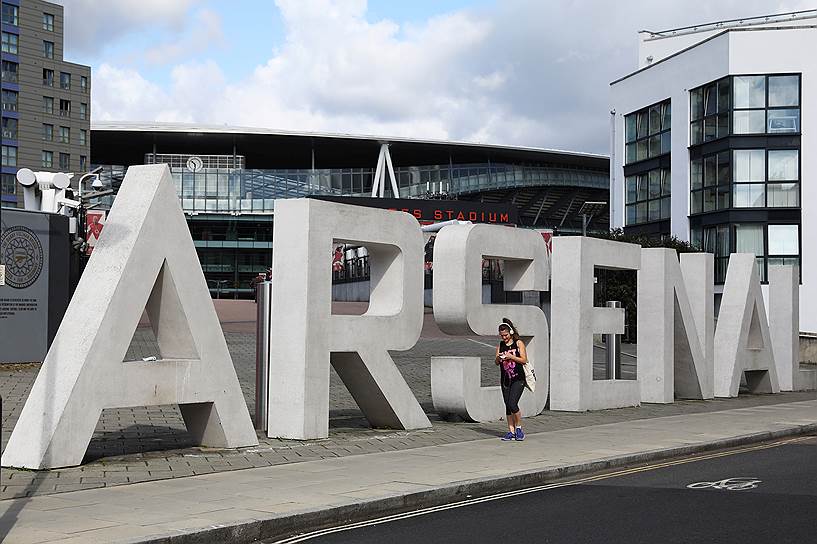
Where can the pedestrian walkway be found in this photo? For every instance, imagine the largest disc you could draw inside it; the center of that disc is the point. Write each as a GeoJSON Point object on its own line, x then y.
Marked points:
{"type": "Point", "coordinates": [272, 501]}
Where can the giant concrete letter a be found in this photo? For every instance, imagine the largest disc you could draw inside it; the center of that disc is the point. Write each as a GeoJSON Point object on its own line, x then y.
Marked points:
{"type": "Point", "coordinates": [145, 260]}
{"type": "Point", "coordinates": [304, 332]}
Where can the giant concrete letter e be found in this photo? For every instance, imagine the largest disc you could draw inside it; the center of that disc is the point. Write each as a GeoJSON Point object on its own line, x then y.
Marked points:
{"type": "Point", "coordinates": [304, 335]}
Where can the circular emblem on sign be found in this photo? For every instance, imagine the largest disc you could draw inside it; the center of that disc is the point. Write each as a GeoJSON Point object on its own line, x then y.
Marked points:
{"type": "Point", "coordinates": [22, 254]}
{"type": "Point", "coordinates": [194, 164]}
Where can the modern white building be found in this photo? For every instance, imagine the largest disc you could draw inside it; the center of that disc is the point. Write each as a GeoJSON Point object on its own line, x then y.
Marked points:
{"type": "Point", "coordinates": [715, 141]}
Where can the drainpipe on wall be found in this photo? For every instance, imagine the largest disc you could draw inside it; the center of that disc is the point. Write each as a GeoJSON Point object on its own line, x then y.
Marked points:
{"type": "Point", "coordinates": [613, 201]}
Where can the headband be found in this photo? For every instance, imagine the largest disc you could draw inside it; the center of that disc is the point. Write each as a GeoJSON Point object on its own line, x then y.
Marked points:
{"type": "Point", "coordinates": [503, 324]}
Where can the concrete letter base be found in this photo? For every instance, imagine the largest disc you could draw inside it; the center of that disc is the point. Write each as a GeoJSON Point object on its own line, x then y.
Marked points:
{"type": "Point", "coordinates": [575, 320]}
{"type": "Point", "coordinates": [304, 335]}
{"type": "Point", "coordinates": [672, 347]}
{"type": "Point", "coordinates": [784, 327]}
{"type": "Point", "coordinates": [742, 340]}
{"type": "Point", "coordinates": [145, 259]}
{"type": "Point", "coordinates": [458, 309]}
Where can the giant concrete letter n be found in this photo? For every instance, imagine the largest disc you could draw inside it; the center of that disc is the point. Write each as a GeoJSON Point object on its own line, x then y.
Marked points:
{"type": "Point", "coordinates": [305, 337]}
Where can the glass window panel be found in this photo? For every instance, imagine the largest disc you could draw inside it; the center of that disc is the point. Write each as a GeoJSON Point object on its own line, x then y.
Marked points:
{"type": "Point", "coordinates": [749, 165]}
{"type": "Point", "coordinates": [710, 128]}
{"type": "Point", "coordinates": [665, 208]}
{"type": "Point", "coordinates": [723, 125]}
{"type": "Point", "coordinates": [655, 119]}
{"type": "Point", "coordinates": [749, 239]}
{"type": "Point", "coordinates": [696, 204]}
{"type": "Point", "coordinates": [783, 195]}
{"type": "Point", "coordinates": [723, 241]}
{"type": "Point", "coordinates": [696, 173]}
{"type": "Point", "coordinates": [641, 212]}
{"type": "Point", "coordinates": [782, 121]}
{"type": "Point", "coordinates": [750, 91]}
{"type": "Point", "coordinates": [696, 237]}
{"type": "Point", "coordinates": [632, 185]}
{"type": "Point", "coordinates": [710, 199]}
{"type": "Point", "coordinates": [655, 183]}
{"type": "Point", "coordinates": [642, 187]}
{"type": "Point", "coordinates": [784, 91]}
{"type": "Point", "coordinates": [666, 115]}
{"type": "Point", "coordinates": [666, 182]}
{"type": "Point", "coordinates": [641, 129]}
{"type": "Point", "coordinates": [723, 95]}
{"type": "Point", "coordinates": [641, 150]}
{"type": "Point", "coordinates": [783, 261]}
{"type": "Point", "coordinates": [748, 195]}
{"type": "Point", "coordinates": [695, 132]}
{"type": "Point", "coordinates": [784, 240]}
{"type": "Point", "coordinates": [666, 142]}
{"type": "Point", "coordinates": [710, 99]}
{"type": "Point", "coordinates": [629, 127]}
{"type": "Point", "coordinates": [723, 197]}
{"type": "Point", "coordinates": [631, 214]}
{"type": "Point", "coordinates": [710, 172]}
{"type": "Point", "coordinates": [783, 165]}
{"type": "Point", "coordinates": [655, 210]}
{"type": "Point", "coordinates": [655, 145]}
{"type": "Point", "coordinates": [749, 122]}
{"type": "Point", "coordinates": [724, 171]}
{"type": "Point", "coordinates": [696, 104]}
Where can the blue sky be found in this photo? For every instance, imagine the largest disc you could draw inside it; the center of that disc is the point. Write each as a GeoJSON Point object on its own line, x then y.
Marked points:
{"type": "Point", "coordinates": [515, 72]}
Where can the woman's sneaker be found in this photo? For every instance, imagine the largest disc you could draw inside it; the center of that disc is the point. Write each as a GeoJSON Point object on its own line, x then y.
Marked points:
{"type": "Point", "coordinates": [520, 435]}
{"type": "Point", "coordinates": [509, 436]}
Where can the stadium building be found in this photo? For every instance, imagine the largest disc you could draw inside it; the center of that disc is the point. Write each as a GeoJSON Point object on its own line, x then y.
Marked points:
{"type": "Point", "coordinates": [228, 178]}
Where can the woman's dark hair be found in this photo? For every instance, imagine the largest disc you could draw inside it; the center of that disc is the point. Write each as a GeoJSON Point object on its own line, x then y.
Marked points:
{"type": "Point", "coordinates": [508, 326]}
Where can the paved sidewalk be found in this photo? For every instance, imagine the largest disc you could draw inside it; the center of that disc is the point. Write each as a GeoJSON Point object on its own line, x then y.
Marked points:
{"type": "Point", "coordinates": [272, 501]}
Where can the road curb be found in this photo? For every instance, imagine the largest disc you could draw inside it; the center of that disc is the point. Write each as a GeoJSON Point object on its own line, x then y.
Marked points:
{"type": "Point", "coordinates": [281, 526]}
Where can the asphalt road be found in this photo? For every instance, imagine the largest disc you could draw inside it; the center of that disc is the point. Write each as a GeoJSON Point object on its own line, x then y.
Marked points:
{"type": "Point", "coordinates": [756, 494]}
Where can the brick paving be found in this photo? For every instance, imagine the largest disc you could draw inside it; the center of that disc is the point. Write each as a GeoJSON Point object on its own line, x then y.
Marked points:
{"type": "Point", "coordinates": [150, 443]}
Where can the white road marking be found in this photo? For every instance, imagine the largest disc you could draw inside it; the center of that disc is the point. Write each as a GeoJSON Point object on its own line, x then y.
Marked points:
{"type": "Point", "coordinates": [741, 483]}
{"type": "Point", "coordinates": [430, 510]}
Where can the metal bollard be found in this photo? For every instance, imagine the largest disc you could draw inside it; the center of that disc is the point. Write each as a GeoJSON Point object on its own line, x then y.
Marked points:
{"type": "Point", "coordinates": [262, 354]}
{"type": "Point", "coordinates": [613, 343]}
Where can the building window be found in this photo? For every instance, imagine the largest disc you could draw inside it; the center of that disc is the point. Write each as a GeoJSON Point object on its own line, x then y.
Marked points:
{"type": "Point", "coordinates": [9, 100]}
{"type": "Point", "coordinates": [9, 156]}
{"type": "Point", "coordinates": [9, 43]}
{"type": "Point", "coordinates": [83, 136]}
{"type": "Point", "coordinates": [772, 244]}
{"type": "Point", "coordinates": [83, 110]}
{"type": "Point", "coordinates": [65, 81]}
{"type": "Point", "coordinates": [9, 128]}
{"type": "Point", "coordinates": [83, 83]}
{"type": "Point", "coordinates": [48, 49]}
{"type": "Point", "coordinates": [709, 111]}
{"type": "Point", "coordinates": [766, 178]}
{"type": "Point", "coordinates": [48, 159]}
{"type": "Point", "coordinates": [65, 108]}
{"type": "Point", "coordinates": [48, 77]}
{"type": "Point", "coordinates": [648, 196]}
{"type": "Point", "coordinates": [7, 182]}
{"type": "Point", "coordinates": [48, 133]}
{"type": "Point", "coordinates": [766, 104]}
{"type": "Point", "coordinates": [83, 163]}
{"type": "Point", "coordinates": [65, 161]}
{"type": "Point", "coordinates": [9, 71]}
{"type": "Point", "coordinates": [11, 15]}
{"type": "Point", "coordinates": [48, 22]}
{"type": "Point", "coordinates": [647, 132]}
{"type": "Point", "coordinates": [65, 135]}
{"type": "Point", "coordinates": [48, 105]}
{"type": "Point", "coordinates": [710, 179]}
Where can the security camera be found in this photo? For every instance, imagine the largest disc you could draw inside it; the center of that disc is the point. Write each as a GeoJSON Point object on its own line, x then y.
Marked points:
{"type": "Point", "coordinates": [97, 184]}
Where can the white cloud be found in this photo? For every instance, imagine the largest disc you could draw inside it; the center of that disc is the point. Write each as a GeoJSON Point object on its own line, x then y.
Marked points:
{"type": "Point", "coordinates": [524, 72]}
{"type": "Point", "coordinates": [204, 33]}
{"type": "Point", "coordinates": [93, 24]}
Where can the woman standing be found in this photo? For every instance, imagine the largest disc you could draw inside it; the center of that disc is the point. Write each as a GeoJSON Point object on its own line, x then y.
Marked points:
{"type": "Point", "coordinates": [510, 357]}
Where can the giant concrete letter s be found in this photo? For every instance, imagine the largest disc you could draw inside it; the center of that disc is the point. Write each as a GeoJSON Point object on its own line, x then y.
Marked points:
{"type": "Point", "coordinates": [305, 336]}
{"type": "Point", "coordinates": [458, 309]}
{"type": "Point", "coordinates": [145, 260]}
{"type": "Point", "coordinates": [574, 320]}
